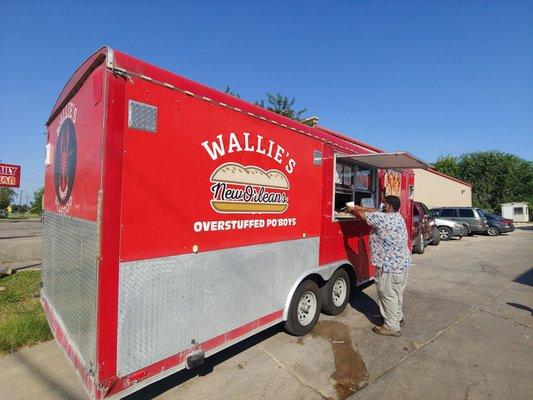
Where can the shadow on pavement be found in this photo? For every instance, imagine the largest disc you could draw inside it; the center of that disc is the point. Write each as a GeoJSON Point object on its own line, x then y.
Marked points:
{"type": "Point", "coordinates": [521, 307]}
{"type": "Point", "coordinates": [526, 278]}
{"type": "Point", "coordinates": [54, 385]}
{"type": "Point", "coordinates": [20, 237]}
{"type": "Point", "coordinates": [365, 304]}
{"type": "Point", "coordinates": [359, 301]}
{"type": "Point", "coordinates": [164, 385]}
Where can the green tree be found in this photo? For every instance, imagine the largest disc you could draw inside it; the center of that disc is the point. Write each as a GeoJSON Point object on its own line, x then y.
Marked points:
{"type": "Point", "coordinates": [6, 197]}
{"type": "Point", "coordinates": [282, 105]}
{"type": "Point", "coordinates": [496, 177]}
{"type": "Point", "coordinates": [37, 204]}
{"type": "Point", "coordinates": [229, 91]}
{"type": "Point", "coordinates": [277, 103]}
{"type": "Point", "coordinates": [448, 165]}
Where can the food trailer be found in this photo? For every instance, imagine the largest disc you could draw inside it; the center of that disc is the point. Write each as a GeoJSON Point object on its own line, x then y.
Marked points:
{"type": "Point", "coordinates": [180, 220]}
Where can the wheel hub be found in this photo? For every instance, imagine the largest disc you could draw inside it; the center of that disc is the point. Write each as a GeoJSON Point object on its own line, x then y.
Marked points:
{"type": "Point", "coordinates": [339, 292]}
{"type": "Point", "coordinates": [307, 308]}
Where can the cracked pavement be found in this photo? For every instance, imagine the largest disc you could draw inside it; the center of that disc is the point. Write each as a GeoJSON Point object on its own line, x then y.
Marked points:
{"type": "Point", "coordinates": [468, 311]}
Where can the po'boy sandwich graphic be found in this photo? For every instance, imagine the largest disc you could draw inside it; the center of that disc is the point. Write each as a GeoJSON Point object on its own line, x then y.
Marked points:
{"type": "Point", "coordinates": [248, 189]}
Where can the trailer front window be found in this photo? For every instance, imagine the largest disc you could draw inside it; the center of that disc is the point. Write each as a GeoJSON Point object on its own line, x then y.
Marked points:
{"type": "Point", "coordinates": [353, 182]}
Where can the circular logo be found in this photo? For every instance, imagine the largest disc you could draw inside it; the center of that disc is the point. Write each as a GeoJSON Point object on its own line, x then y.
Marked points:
{"type": "Point", "coordinates": [65, 161]}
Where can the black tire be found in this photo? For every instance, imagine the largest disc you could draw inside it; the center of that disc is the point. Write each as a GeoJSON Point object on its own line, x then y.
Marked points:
{"type": "Point", "coordinates": [493, 231]}
{"type": "Point", "coordinates": [445, 233]}
{"type": "Point", "coordinates": [419, 246]}
{"type": "Point", "coordinates": [293, 324]}
{"type": "Point", "coordinates": [436, 237]}
{"type": "Point", "coordinates": [468, 231]}
{"type": "Point", "coordinates": [331, 289]}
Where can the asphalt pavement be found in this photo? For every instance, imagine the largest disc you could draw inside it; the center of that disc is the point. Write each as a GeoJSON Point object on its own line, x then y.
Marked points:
{"type": "Point", "coordinates": [468, 335]}
{"type": "Point", "coordinates": [21, 244]}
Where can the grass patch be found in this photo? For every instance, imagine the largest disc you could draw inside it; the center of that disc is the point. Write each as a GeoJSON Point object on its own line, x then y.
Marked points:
{"type": "Point", "coordinates": [23, 215]}
{"type": "Point", "coordinates": [22, 320]}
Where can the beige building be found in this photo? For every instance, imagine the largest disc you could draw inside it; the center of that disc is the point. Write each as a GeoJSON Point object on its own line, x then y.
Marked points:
{"type": "Point", "coordinates": [436, 189]}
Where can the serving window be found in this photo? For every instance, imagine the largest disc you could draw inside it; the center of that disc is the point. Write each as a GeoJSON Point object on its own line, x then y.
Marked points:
{"type": "Point", "coordinates": [353, 182]}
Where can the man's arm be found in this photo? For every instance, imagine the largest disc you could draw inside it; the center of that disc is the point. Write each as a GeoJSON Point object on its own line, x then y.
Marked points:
{"type": "Point", "coordinates": [360, 212]}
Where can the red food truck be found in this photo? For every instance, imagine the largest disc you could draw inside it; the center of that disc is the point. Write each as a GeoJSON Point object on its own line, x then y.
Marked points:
{"type": "Point", "coordinates": [180, 220]}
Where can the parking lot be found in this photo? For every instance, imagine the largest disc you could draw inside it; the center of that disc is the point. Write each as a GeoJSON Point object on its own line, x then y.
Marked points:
{"type": "Point", "coordinates": [467, 335]}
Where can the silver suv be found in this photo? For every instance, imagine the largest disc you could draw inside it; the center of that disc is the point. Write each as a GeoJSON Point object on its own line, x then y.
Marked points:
{"type": "Point", "coordinates": [449, 229]}
{"type": "Point", "coordinates": [473, 219]}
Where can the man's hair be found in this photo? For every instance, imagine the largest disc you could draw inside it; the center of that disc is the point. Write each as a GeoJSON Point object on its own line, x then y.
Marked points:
{"type": "Point", "coordinates": [394, 201]}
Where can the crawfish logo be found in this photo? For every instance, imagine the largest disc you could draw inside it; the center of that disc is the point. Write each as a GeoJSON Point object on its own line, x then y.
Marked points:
{"type": "Point", "coordinates": [65, 165]}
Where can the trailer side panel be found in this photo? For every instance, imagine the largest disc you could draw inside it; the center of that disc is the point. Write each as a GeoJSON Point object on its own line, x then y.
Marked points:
{"type": "Point", "coordinates": [71, 230]}
{"type": "Point", "coordinates": [215, 221]}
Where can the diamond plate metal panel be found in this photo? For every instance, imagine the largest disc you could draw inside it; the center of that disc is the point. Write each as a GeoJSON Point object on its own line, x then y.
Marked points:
{"type": "Point", "coordinates": [142, 116]}
{"type": "Point", "coordinates": [70, 249]}
{"type": "Point", "coordinates": [167, 302]}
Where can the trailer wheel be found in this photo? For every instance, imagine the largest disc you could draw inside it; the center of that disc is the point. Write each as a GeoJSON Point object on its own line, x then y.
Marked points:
{"type": "Point", "coordinates": [336, 293]}
{"type": "Point", "coordinates": [304, 309]}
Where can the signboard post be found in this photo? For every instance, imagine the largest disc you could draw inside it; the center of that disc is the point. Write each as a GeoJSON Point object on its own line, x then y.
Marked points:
{"type": "Point", "coordinates": [9, 175]}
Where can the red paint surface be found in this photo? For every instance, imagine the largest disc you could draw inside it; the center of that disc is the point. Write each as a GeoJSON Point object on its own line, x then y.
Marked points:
{"type": "Point", "coordinates": [9, 175]}
{"type": "Point", "coordinates": [89, 131]}
{"type": "Point", "coordinates": [167, 175]}
{"type": "Point", "coordinates": [107, 318]}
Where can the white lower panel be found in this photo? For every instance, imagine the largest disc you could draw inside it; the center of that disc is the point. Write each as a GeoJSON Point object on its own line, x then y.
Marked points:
{"type": "Point", "coordinates": [166, 303]}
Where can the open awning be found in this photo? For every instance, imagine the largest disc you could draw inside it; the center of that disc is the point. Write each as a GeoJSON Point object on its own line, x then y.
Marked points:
{"type": "Point", "coordinates": [395, 160]}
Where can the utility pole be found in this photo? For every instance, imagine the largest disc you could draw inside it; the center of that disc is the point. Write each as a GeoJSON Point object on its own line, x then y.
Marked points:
{"type": "Point", "coordinates": [20, 198]}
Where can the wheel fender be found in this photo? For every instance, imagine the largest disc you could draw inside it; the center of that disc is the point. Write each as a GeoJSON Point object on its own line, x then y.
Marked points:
{"type": "Point", "coordinates": [324, 271]}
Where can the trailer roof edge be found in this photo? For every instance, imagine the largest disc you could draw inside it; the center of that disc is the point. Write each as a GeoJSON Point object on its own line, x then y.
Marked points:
{"type": "Point", "coordinates": [79, 77]}
{"type": "Point", "coordinates": [144, 70]}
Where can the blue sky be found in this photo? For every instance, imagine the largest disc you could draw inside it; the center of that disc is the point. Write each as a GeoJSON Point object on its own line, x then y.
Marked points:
{"type": "Point", "coordinates": [429, 77]}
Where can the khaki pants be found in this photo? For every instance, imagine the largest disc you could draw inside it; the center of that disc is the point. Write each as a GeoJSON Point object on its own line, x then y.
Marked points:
{"type": "Point", "coordinates": [390, 293]}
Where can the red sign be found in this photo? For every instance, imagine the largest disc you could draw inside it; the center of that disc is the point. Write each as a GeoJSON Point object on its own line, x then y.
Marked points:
{"type": "Point", "coordinates": [9, 175]}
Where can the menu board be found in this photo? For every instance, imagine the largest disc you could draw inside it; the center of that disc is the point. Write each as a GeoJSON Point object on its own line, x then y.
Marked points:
{"type": "Point", "coordinates": [363, 180]}
{"type": "Point", "coordinates": [344, 175]}
{"type": "Point", "coordinates": [347, 176]}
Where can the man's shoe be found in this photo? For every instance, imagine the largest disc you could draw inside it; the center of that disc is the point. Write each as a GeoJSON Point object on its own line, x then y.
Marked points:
{"type": "Point", "coordinates": [381, 330]}
{"type": "Point", "coordinates": [382, 320]}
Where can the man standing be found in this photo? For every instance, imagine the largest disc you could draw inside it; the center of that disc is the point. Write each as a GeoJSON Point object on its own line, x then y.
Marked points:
{"type": "Point", "coordinates": [392, 258]}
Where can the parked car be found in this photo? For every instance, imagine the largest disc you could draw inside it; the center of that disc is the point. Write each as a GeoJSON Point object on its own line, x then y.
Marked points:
{"type": "Point", "coordinates": [3, 213]}
{"type": "Point", "coordinates": [498, 225]}
{"type": "Point", "coordinates": [450, 229]}
{"type": "Point", "coordinates": [424, 230]}
{"type": "Point", "coordinates": [471, 218]}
